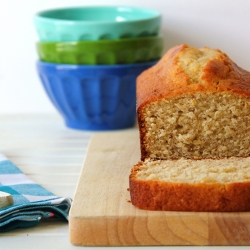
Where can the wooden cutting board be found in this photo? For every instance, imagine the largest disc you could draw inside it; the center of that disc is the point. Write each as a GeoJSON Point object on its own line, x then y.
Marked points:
{"type": "Point", "coordinates": [102, 214]}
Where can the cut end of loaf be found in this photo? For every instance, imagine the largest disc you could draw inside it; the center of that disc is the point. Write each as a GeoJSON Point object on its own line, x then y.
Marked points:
{"type": "Point", "coordinates": [221, 171]}
{"type": "Point", "coordinates": [196, 126]}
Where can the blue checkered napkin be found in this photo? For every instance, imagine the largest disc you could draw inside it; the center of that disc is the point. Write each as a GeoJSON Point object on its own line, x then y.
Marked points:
{"type": "Point", "coordinates": [31, 201]}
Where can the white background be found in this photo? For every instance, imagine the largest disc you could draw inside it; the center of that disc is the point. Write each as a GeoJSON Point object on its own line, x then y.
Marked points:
{"type": "Point", "coordinates": [223, 24]}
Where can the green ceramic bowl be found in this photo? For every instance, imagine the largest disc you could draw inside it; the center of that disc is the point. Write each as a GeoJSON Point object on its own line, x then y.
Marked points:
{"type": "Point", "coordinates": [96, 23]}
{"type": "Point", "coordinates": [120, 51]}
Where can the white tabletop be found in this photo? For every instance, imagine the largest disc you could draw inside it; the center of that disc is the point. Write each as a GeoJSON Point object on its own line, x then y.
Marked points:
{"type": "Point", "coordinates": [52, 155]}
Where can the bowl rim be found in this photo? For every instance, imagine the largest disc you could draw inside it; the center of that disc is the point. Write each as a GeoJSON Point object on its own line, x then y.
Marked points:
{"type": "Point", "coordinates": [107, 42]}
{"type": "Point", "coordinates": [154, 14]}
{"type": "Point", "coordinates": [96, 67]}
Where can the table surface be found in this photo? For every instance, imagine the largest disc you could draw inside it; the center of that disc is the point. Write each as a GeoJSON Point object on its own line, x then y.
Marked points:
{"type": "Point", "coordinates": [52, 155]}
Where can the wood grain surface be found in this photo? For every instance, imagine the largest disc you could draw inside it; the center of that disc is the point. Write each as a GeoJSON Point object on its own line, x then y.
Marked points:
{"type": "Point", "coordinates": [102, 214]}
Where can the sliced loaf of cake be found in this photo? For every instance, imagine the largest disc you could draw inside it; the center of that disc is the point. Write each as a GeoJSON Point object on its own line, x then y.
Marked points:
{"type": "Point", "coordinates": [193, 110]}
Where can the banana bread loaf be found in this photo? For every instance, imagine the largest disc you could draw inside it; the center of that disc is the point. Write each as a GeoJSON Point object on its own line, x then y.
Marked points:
{"type": "Point", "coordinates": [194, 103]}
{"type": "Point", "coordinates": [193, 110]}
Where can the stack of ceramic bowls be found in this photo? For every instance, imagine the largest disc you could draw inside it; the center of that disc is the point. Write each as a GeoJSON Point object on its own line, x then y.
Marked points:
{"type": "Point", "coordinates": [89, 59]}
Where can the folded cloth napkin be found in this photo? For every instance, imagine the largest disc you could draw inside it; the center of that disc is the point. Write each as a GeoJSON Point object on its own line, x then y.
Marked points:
{"type": "Point", "coordinates": [31, 201]}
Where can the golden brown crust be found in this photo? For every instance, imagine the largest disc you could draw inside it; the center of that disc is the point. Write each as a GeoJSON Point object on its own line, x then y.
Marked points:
{"type": "Point", "coordinates": [166, 79]}
{"type": "Point", "coordinates": [200, 197]}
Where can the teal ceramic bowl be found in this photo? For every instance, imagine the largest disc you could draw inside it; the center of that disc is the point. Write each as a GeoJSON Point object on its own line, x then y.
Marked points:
{"type": "Point", "coordinates": [96, 23]}
{"type": "Point", "coordinates": [118, 51]}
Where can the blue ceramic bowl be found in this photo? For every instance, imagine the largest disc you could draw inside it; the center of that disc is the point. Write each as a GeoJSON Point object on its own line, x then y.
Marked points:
{"type": "Point", "coordinates": [96, 23]}
{"type": "Point", "coordinates": [98, 97]}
